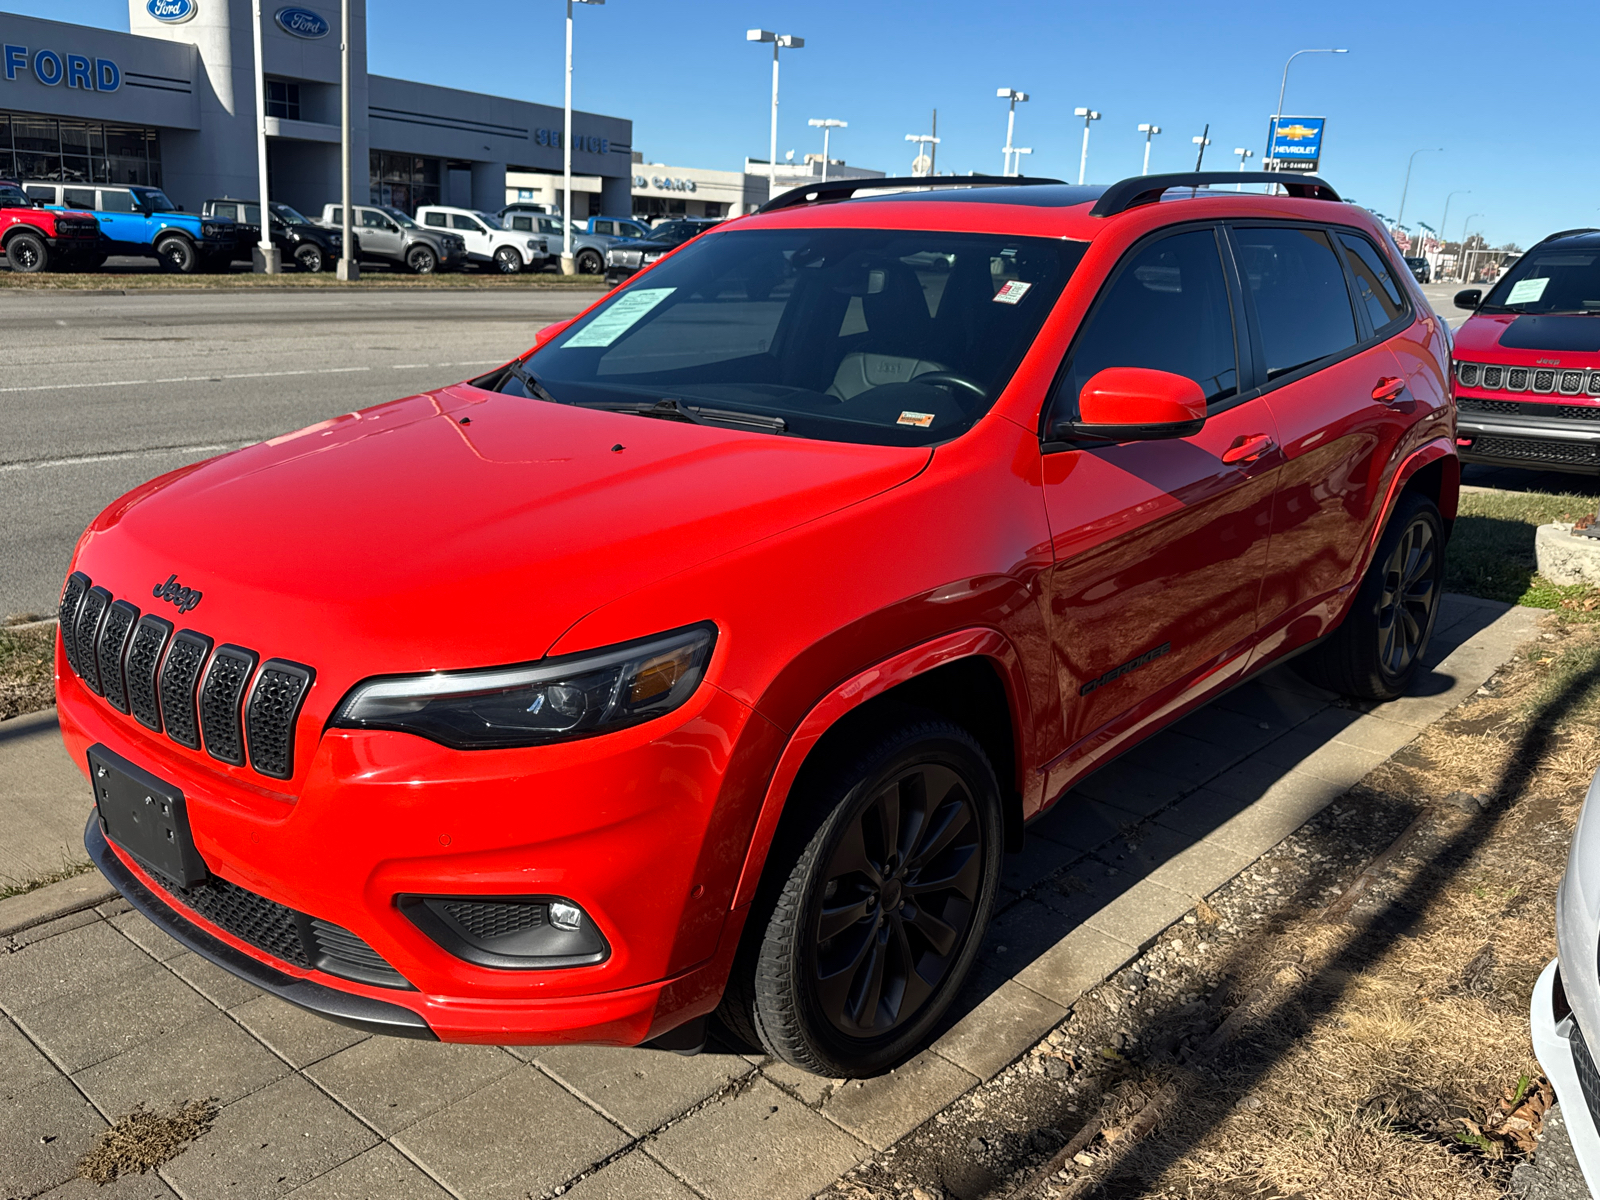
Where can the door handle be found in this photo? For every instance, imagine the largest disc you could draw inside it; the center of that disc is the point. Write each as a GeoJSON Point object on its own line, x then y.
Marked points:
{"type": "Point", "coordinates": [1389, 389]}
{"type": "Point", "coordinates": [1248, 448]}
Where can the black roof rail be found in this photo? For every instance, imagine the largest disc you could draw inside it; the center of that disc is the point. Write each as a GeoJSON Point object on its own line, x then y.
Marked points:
{"type": "Point", "coordinates": [1147, 189]}
{"type": "Point", "coordinates": [843, 189]}
{"type": "Point", "coordinates": [1550, 237]}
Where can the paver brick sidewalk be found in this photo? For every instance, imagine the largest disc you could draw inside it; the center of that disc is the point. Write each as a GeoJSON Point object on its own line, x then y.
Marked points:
{"type": "Point", "coordinates": [99, 1011]}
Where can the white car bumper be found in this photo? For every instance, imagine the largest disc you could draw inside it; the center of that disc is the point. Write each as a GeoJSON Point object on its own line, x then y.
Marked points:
{"type": "Point", "coordinates": [1564, 1062]}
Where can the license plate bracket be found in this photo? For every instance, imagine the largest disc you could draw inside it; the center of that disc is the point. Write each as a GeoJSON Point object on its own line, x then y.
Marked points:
{"type": "Point", "coordinates": [146, 817]}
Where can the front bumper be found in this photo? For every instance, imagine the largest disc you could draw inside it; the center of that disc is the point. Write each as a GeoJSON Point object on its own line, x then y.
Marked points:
{"type": "Point", "coordinates": [1540, 443]}
{"type": "Point", "coordinates": [615, 275]}
{"type": "Point", "coordinates": [1563, 1052]}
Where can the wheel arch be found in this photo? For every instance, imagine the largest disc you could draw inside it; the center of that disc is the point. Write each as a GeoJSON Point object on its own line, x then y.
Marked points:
{"type": "Point", "coordinates": [1432, 470]}
{"type": "Point", "coordinates": [972, 677]}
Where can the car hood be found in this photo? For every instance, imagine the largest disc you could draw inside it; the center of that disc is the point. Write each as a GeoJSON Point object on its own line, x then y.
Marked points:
{"type": "Point", "coordinates": [1551, 335]}
{"type": "Point", "coordinates": [459, 528]}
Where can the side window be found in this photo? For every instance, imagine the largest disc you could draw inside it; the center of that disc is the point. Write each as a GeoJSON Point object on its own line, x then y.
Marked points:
{"type": "Point", "coordinates": [78, 197]}
{"type": "Point", "coordinates": [457, 221]}
{"type": "Point", "coordinates": [435, 219]}
{"type": "Point", "coordinates": [116, 200]}
{"type": "Point", "coordinates": [373, 220]}
{"type": "Point", "coordinates": [336, 216]}
{"type": "Point", "coordinates": [524, 224]}
{"type": "Point", "coordinates": [1375, 288]}
{"type": "Point", "coordinates": [228, 211]}
{"type": "Point", "coordinates": [606, 227]}
{"type": "Point", "coordinates": [1166, 308]}
{"type": "Point", "coordinates": [1302, 304]}
{"type": "Point", "coordinates": [47, 193]}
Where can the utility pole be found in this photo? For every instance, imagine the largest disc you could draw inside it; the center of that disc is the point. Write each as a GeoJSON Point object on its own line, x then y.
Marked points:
{"type": "Point", "coordinates": [1407, 188]}
{"type": "Point", "coordinates": [1243, 154]}
{"type": "Point", "coordinates": [783, 41]}
{"type": "Point", "coordinates": [827, 125]}
{"type": "Point", "coordinates": [1202, 141]}
{"type": "Point", "coordinates": [1015, 97]}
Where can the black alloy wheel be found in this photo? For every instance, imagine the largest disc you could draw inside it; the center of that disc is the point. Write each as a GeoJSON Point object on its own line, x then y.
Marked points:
{"type": "Point", "coordinates": [590, 262]}
{"type": "Point", "coordinates": [27, 253]}
{"type": "Point", "coordinates": [874, 899]}
{"type": "Point", "coordinates": [1377, 649]}
{"type": "Point", "coordinates": [421, 261]}
{"type": "Point", "coordinates": [507, 261]}
{"type": "Point", "coordinates": [308, 257]}
{"type": "Point", "coordinates": [178, 255]}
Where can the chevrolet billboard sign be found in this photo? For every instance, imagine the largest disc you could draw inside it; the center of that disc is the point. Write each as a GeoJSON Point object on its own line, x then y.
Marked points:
{"type": "Point", "coordinates": [1294, 143]}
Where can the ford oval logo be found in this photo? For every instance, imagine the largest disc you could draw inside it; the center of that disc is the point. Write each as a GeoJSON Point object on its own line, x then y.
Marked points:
{"type": "Point", "coordinates": [173, 12]}
{"type": "Point", "coordinates": [301, 22]}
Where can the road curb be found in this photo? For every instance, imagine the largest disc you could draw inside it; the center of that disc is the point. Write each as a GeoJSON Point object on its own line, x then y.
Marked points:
{"type": "Point", "coordinates": [60, 899]}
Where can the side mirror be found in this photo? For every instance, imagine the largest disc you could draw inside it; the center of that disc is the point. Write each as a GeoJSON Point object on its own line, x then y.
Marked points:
{"type": "Point", "coordinates": [1469, 298]}
{"type": "Point", "coordinates": [550, 332]}
{"type": "Point", "coordinates": [1137, 404]}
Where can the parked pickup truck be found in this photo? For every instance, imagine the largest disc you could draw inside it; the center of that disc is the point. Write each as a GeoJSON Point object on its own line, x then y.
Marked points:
{"type": "Point", "coordinates": [310, 247]}
{"type": "Point", "coordinates": [35, 239]}
{"type": "Point", "coordinates": [588, 249]}
{"type": "Point", "coordinates": [389, 236]}
{"type": "Point", "coordinates": [622, 227]}
{"type": "Point", "coordinates": [489, 243]}
{"type": "Point", "coordinates": [141, 222]}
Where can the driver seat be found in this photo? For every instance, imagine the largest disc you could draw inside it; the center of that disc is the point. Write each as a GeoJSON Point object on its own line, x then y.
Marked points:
{"type": "Point", "coordinates": [899, 329]}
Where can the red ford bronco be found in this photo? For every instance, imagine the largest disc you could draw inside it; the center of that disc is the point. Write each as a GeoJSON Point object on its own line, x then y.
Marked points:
{"type": "Point", "coordinates": [36, 238]}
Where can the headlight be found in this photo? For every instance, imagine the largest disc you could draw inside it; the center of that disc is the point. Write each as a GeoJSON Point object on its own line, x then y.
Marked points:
{"type": "Point", "coordinates": [532, 245]}
{"type": "Point", "coordinates": [556, 699]}
{"type": "Point", "coordinates": [209, 232]}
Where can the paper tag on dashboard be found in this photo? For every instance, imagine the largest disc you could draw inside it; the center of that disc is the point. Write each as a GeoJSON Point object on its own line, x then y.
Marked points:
{"type": "Point", "coordinates": [920, 420]}
{"type": "Point", "coordinates": [1526, 291]}
{"type": "Point", "coordinates": [1013, 291]}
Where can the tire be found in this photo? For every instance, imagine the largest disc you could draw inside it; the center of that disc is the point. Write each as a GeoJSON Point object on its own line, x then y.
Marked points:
{"type": "Point", "coordinates": [590, 262]}
{"type": "Point", "coordinates": [507, 261]}
{"type": "Point", "coordinates": [869, 994]}
{"type": "Point", "coordinates": [178, 255]}
{"type": "Point", "coordinates": [420, 260]}
{"type": "Point", "coordinates": [308, 257]}
{"type": "Point", "coordinates": [27, 253]}
{"type": "Point", "coordinates": [1378, 648]}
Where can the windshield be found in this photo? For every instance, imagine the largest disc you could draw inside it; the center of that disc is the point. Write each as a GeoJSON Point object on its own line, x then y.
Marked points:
{"type": "Point", "coordinates": [154, 199]}
{"type": "Point", "coordinates": [400, 218]}
{"type": "Point", "coordinates": [886, 337]}
{"type": "Point", "coordinates": [286, 214]}
{"type": "Point", "coordinates": [491, 222]}
{"type": "Point", "coordinates": [1549, 281]}
{"type": "Point", "coordinates": [11, 196]}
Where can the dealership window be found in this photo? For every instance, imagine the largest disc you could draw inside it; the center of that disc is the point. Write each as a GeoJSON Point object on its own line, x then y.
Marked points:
{"type": "Point", "coordinates": [407, 181]}
{"type": "Point", "coordinates": [283, 99]}
{"type": "Point", "coordinates": [659, 206]}
{"type": "Point", "coordinates": [69, 151]}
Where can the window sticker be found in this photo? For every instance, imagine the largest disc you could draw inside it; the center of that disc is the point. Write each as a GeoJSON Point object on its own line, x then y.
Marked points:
{"type": "Point", "coordinates": [1526, 291]}
{"type": "Point", "coordinates": [1013, 291]}
{"type": "Point", "coordinates": [920, 420]}
{"type": "Point", "coordinates": [618, 319]}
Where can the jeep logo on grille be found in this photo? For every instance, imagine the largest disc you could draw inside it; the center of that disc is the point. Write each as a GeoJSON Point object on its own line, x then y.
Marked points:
{"type": "Point", "coordinates": [174, 592]}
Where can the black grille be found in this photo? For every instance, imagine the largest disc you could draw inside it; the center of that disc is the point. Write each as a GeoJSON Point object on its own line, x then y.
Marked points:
{"type": "Point", "coordinates": [1530, 408]}
{"type": "Point", "coordinates": [1493, 376]}
{"type": "Point", "coordinates": [342, 953]}
{"type": "Point", "coordinates": [113, 640]}
{"type": "Point", "coordinates": [494, 919]}
{"type": "Point", "coordinates": [1578, 412]}
{"type": "Point", "coordinates": [71, 599]}
{"type": "Point", "coordinates": [95, 602]}
{"type": "Point", "coordinates": [221, 697]}
{"type": "Point", "coordinates": [179, 674]}
{"type": "Point", "coordinates": [1474, 404]}
{"type": "Point", "coordinates": [1594, 383]}
{"type": "Point", "coordinates": [144, 658]}
{"type": "Point", "coordinates": [263, 923]}
{"type": "Point", "coordinates": [1588, 1076]}
{"type": "Point", "coordinates": [1544, 381]}
{"type": "Point", "coordinates": [1533, 449]}
{"type": "Point", "coordinates": [1571, 382]}
{"type": "Point", "coordinates": [1517, 379]}
{"type": "Point", "coordinates": [270, 715]}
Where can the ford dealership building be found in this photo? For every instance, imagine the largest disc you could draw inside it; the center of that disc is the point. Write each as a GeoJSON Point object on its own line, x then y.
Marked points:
{"type": "Point", "coordinates": [172, 104]}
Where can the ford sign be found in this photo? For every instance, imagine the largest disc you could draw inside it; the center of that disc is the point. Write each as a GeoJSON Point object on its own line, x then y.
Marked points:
{"type": "Point", "coordinates": [301, 22]}
{"type": "Point", "coordinates": [173, 12]}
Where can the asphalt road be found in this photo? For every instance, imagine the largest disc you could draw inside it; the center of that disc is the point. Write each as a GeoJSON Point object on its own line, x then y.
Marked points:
{"type": "Point", "coordinates": [101, 392]}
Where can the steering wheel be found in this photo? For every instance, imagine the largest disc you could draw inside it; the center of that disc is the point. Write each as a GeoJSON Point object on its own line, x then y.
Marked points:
{"type": "Point", "coordinates": [949, 379]}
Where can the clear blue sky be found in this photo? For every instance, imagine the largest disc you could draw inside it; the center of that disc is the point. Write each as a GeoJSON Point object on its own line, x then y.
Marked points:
{"type": "Point", "coordinates": [1516, 122]}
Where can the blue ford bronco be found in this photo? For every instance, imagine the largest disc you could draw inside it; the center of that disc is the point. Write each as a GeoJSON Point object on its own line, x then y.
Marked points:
{"type": "Point", "coordinates": [141, 222]}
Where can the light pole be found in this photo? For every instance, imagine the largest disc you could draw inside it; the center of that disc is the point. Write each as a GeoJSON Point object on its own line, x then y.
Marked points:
{"type": "Point", "coordinates": [1088, 115]}
{"type": "Point", "coordinates": [1466, 225]}
{"type": "Point", "coordinates": [1243, 154]}
{"type": "Point", "coordinates": [568, 265]}
{"type": "Point", "coordinates": [1016, 157]}
{"type": "Point", "coordinates": [1149, 132]}
{"type": "Point", "coordinates": [1015, 97]}
{"type": "Point", "coordinates": [1444, 226]}
{"type": "Point", "coordinates": [1409, 162]}
{"type": "Point", "coordinates": [266, 254]}
{"type": "Point", "coordinates": [827, 125]}
{"type": "Point", "coordinates": [923, 140]}
{"type": "Point", "coordinates": [1283, 87]}
{"type": "Point", "coordinates": [780, 41]}
{"type": "Point", "coordinates": [1202, 141]}
{"type": "Point", "coordinates": [348, 268]}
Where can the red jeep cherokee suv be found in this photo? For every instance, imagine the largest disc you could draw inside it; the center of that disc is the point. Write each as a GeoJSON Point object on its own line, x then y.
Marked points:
{"type": "Point", "coordinates": [713, 652]}
{"type": "Point", "coordinates": [1528, 360]}
{"type": "Point", "coordinates": [34, 239]}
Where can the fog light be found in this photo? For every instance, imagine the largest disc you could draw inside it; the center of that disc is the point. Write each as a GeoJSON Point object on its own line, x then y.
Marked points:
{"type": "Point", "coordinates": [509, 932]}
{"type": "Point", "coordinates": [564, 915]}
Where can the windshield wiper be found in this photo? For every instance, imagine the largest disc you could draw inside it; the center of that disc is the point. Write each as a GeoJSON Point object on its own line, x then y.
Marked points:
{"type": "Point", "coordinates": [530, 382]}
{"type": "Point", "coordinates": [669, 408]}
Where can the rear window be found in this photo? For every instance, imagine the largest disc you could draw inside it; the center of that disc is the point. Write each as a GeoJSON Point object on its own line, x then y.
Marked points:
{"type": "Point", "coordinates": [116, 200]}
{"type": "Point", "coordinates": [435, 219]}
{"type": "Point", "coordinates": [1301, 301]}
{"type": "Point", "coordinates": [42, 191]}
{"type": "Point", "coordinates": [1552, 280]}
{"type": "Point", "coordinates": [77, 197]}
{"type": "Point", "coordinates": [1376, 289]}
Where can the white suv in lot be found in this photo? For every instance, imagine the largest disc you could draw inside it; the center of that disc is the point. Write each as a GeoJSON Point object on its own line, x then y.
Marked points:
{"type": "Point", "coordinates": [488, 241]}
